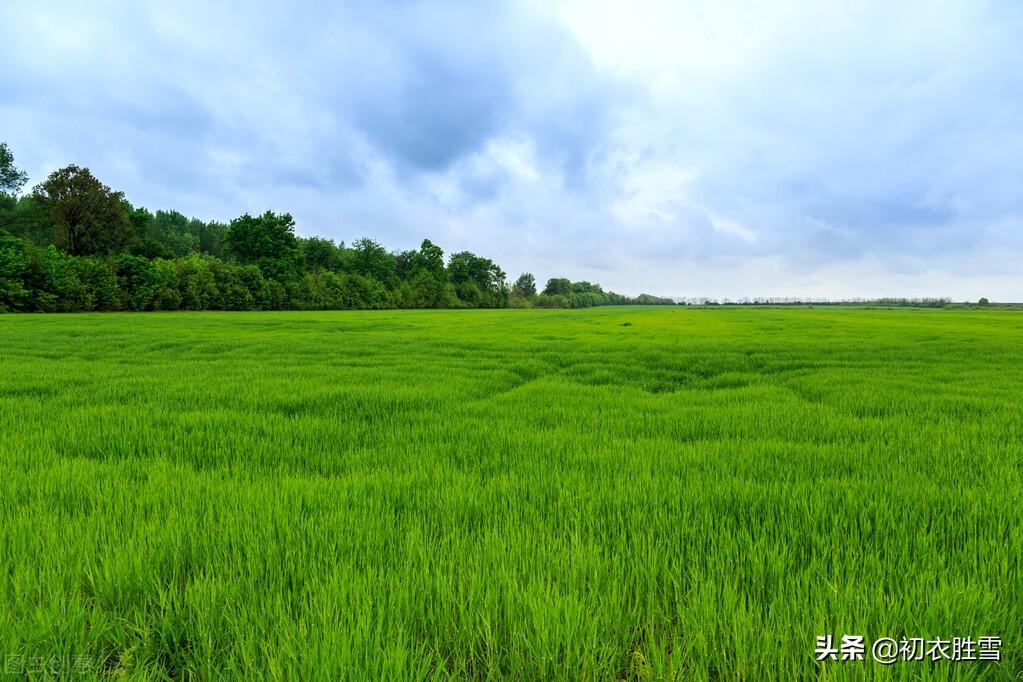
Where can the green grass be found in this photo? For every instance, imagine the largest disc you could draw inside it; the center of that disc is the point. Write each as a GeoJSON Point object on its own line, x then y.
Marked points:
{"type": "Point", "coordinates": [626, 493]}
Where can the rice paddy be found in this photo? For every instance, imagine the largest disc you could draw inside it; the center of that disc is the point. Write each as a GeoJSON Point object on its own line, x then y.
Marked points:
{"type": "Point", "coordinates": [602, 494]}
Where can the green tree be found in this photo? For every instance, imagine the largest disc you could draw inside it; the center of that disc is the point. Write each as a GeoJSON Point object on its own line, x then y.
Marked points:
{"type": "Point", "coordinates": [12, 179]}
{"type": "Point", "coordinates": [232, 285]}
{"type": "Point", "coordinates": [167, 292]}
{"type": "Point", "coordinates": [212, 238]}
{"type": "Point", "coordinates": [198, 285]}
{"type": "Point", "coordinates": [52, 278]}
{"type": "Point", "coordinates": [27, 218]}
{"type": "Point", "coordinates": [267, 241]}
{"type": "Point", "coordinates": [325, 290]}
{"type": "Point", "coordinates": [139, 281]}
{"type": "Point", "coordinates": [99, 282]}
{"type": "Point", "coordinates": [319, 254]}
{"type": "Point", "coordinates": [424, 280]}
{"type": "Point", "coordinates": [558, 286]}
{"type": "Point", "coordinates": [88, 217]}
{"type": "Point", "coordinates": [14, 262]}
{"type": "Point", "coordinates": [478, 281]}
{"type": "Point", "coordinates": [525, 286]}
{"type": "Point", "coordinates": [141, 220]}
{"type": "Point", "coordinates": [166, 234]}
{"type": "Point", "coordinates": [545, 300]}
{"type": "Point", "coordinates": [370, 259]}
{"type": "Point", "coordinates": [429, 258]}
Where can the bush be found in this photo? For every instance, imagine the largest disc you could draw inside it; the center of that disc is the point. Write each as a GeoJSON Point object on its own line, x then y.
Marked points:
{"type": "Point", "coordinates": [14, 263]}
{"type": "Point", "coordinates": [99, 283]}
{"type": "Point", "coordinates": [52, 277]}
{"type": "Point", "coordinates": [552, 301]}
{"type": "Point", "coordinates": [197, 284]}
{"type": "Point", "coordinates": [137, 279]}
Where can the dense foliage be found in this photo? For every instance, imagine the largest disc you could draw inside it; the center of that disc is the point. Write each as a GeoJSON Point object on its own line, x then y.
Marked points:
{"type": "Point", "coordinates": [74, 244]}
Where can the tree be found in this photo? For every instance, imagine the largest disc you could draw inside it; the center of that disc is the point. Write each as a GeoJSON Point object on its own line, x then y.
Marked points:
{"type": "Point", "coordinates": [167, 234]}
{"type": "Point", "coordinates": [370, 259]}
{"type": "Point", "coordinates": [232, 286]}
{"type": "Point", "coordinates": [99, 283]}
{"type": "Point", "coordinates": [14, 263]}
{"type": "Point", "coordinates": [424, 279]}
{"type": "Point", "coordinates": [198, 285]}
{"type": "Point", "coordinates": [558, 286]}
{"type": "Point", "coordinates": [478, 281]}
{"type": "Point", "coordinates": [545, 300]}
{"type": "Point", "coordinates": [212, 238]}
{"type": "Point", "coordinates": [52, 277]}
{"type": "Point", "coordinates": [12, 179]}
{"type": "Point", "coordinates": [268, 241]}
{"type": "Point", "coordinates": [983, 301]}
{"type": "Point", "coordinates": [27, 218]}
{"type": "Point", "coordinates": [430, 258]}
{"type": "Point", "coordinates": [319, 254]}
{"type": "Point", "coordinates": [138, 280]}
{"type": "Point", "coordinates": [167, 294]}
{"type": "Point", "coordinates": [141, 223]}
{"type": "Point", "coordinates": [525, 286]}
{"type": "Point", "coordinates": [87, 216]}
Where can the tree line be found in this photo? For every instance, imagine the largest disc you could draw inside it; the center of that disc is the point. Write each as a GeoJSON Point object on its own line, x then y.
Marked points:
{"type": "Point", "coordinates": [74, 244]}
{"type": "Point", "coordinates": [902, 302]}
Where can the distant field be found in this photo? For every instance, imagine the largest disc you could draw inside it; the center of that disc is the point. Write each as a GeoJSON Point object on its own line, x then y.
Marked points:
{"type": "Point", "coordinates": [619, 493]}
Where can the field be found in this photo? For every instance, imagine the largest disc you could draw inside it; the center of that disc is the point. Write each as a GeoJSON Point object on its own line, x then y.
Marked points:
{"type": "Point", "coordinates": [618, 493]}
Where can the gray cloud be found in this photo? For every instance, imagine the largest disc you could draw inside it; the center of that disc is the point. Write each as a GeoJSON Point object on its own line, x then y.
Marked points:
{"type": "Point", "coordinates": [681, 148]}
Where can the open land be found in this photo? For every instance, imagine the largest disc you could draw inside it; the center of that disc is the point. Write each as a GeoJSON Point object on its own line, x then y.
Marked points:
{"type": "Point", "coordinates": [614, 493]}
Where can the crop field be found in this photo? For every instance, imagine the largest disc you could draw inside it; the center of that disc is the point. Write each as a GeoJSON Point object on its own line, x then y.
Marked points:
{"type": "Point", "coordinates": [605, 494]}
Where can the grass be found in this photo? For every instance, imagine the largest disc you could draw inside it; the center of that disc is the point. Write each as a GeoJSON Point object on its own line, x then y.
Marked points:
{"type": "Point", "coordinates": [620, 493]}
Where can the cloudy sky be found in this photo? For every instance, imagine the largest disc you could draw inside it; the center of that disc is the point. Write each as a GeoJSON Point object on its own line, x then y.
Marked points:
{"type": "Point", "coordinates": [690, 148]}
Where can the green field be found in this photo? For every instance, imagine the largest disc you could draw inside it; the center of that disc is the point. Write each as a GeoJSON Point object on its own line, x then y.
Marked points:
{"type": "Point", "coordinates": [618, 493]}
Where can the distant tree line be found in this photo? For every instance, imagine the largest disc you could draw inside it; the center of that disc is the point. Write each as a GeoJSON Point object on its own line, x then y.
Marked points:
{"type": "Point", "coordinates": [797, 300]}
{"type": "Point", "coordinates": [562, 293]}
{"type": "Point", "coordinates": [74, 244]}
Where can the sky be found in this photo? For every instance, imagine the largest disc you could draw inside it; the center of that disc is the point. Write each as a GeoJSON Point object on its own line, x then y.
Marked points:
{"type": "Point", "coordinates": [688, 148]}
